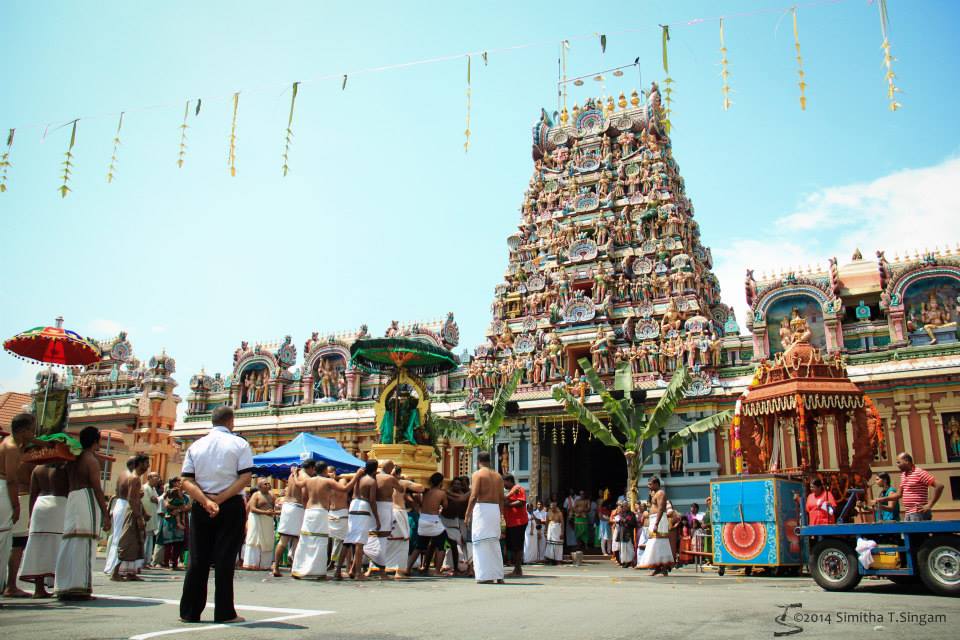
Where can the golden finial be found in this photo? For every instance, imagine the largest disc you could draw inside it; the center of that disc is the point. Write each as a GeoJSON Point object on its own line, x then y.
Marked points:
{"type": "Point", "coordinates": [564, 116]}
{"type": "Point", "coordinates": [622, 101]}
{"type": "Point", "coordinates": [634, 99]}
{"type": "Point", "coordinates": [576, 110]}
{"type": "Point", "coordinates": [610, 106]}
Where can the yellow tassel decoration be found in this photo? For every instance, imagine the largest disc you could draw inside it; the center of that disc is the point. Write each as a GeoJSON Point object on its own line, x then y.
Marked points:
{"type": "Point", "coordinates": [724, 71]}
{"type": "Point", "coordinates": [232, 158]}
{"type": "Point", "coordinates": [112, 169]}
{"type": "Point", "coordinates": [888, 59]}
{"type": "Point", "coordinates": [800, 73]}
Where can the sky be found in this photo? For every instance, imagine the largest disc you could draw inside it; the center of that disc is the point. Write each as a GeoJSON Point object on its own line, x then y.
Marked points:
{"type": "Point", "coordinates": [383, 216]}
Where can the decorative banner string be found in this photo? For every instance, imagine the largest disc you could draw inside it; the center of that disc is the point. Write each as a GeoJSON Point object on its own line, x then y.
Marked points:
{"type": "Point", "coordinates": [183, 134]}
{"type": "Point", "coordinates": [800, 73]}
{"type": "Point", "coordinates": [888, 59]}
{"type": "Point", "coordinates": [68, 162]}
{"type": "Point", "coordinates": [667, 91]}
{"type": "Point", "coordinates": [724, 71]}
{"type": "Point", "coordinates": [289, 137]}
{"type": "Point", "coordinates": [232, 158]}
{"type": "Point", "coordinates": [112, 169]}
{"type": "Point", "coordinates": [564, 47]}
{"type": "Point", "coordinates": [466, 133]}
{"type": "Point", "coordinates": [5, 161]}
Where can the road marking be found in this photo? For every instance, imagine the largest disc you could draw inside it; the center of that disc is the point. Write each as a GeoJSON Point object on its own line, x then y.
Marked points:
{"type": "Point", "coordinates": [289, 614]}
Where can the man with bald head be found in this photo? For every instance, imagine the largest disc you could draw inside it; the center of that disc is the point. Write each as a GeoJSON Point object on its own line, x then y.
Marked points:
{"type": "Point", "coordinates": [387, 546]}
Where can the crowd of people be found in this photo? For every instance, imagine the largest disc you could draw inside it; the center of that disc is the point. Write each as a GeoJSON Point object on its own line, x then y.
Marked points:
{"type": "Point", "coordinates": [356, 525]}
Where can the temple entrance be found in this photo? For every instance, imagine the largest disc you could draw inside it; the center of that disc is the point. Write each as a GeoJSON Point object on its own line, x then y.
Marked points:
{"type": "Point", "coordinates": [586, 464]}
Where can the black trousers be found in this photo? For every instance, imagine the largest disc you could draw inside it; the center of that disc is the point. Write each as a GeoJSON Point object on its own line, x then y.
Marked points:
{"type": "Point", "coordinates": [215, 541]}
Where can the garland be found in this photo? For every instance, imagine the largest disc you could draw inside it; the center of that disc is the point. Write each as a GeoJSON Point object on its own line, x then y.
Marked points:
{"type": "Point", "coordinates": [183, 134]}
{"type": "Point", "coordinates": [68, 162]}
{"type": "Point", "coordinates": [800, 73]}
{"type": "Point", "coordinates": [724, 72]}
{"type": "Point", "coordinates": [5, 162]}
{"type": "Point", "coordinates": [466, 133]}
{"type": "Point", "coordinates": [232, 157]}
{"type": "Point", "coordinates": [667, 91]}
{"type": "Point", "coordinates": [112, 169]}
{"type": "Point", "coordinates": [289, 136]}
{"type": "Point", "coordinates": [888, 59]}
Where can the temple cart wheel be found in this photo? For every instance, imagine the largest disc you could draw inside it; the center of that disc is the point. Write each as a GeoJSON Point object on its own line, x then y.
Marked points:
{"type": "Point", "coordinates": [833, 565]}
{"type": "Point", "coordinates": [721, 570]}
{"type": "Point", "coordinates": [938, 563]}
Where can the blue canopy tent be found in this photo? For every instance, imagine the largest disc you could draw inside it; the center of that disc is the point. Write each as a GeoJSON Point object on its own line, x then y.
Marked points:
{"type": "Point", "coordinates": [305, 446]}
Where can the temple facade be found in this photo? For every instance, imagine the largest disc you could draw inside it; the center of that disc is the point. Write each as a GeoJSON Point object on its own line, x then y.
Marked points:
{"type": "Point", "coordinates": [131, 402]}
{"type": "Point", "coordinates": [275, 398]}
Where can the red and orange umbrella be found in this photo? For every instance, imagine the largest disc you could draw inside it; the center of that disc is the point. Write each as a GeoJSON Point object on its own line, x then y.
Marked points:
{"type": "Point", "coordinates": [53, 345]}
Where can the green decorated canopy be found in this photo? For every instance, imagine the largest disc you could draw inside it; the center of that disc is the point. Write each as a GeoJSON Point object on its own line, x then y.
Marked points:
{"type": "Point", "coordinates": [378, 355]}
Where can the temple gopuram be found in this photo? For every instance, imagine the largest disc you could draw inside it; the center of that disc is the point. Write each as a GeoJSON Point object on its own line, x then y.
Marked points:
{"type": "Point", "coordinates": [131, 402]}
{"type": "Point", "coordinates": [607, 263]}
{"type": "Point", "coordinates": [275, 398]}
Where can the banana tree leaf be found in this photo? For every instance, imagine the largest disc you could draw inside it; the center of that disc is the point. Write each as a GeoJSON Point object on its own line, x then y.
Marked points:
{"type": "Point", "coordinates": [585, 417]}
{"type": "Point", "coordinates": [672, 397]}
{"type": "Point", "coordinates": [454, 430]}
{"type": "Point", "coordinates": [490, 425]}
{"type": "Point", "coordinates": [692, 432]}
{"type": "Point", "coordinates": [610, 405]}
{"type": "Point", "coordinates": [623, 378]}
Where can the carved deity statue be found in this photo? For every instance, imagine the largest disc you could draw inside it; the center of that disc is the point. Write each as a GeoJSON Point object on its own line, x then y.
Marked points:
{"type": "Point", "coordinates": [265, 386]}
{"type": "Point", "coordinates": [935, 316]}
{"type": "Point", "coordinates": [786, 335]}
{"type": "Point", "coordinates": [393, 330]}
{"type": "Point", "coordinates": [244, 347]}
{"type": "Point", "coordinates": [555, 356]}
{"type": "Point", "coordinates": [672, 318]}
{"type": "Point", "coordinates": [800, 329]}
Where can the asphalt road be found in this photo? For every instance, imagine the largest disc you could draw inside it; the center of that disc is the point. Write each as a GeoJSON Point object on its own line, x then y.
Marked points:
{"type": "Point", "coordinates": [592, 601]}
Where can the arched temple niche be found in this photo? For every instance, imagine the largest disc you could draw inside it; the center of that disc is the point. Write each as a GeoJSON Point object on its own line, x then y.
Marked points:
{"type": "Point", "coordinates": [924, 306]}
{"type": "Point", "coordinates": [774, 308]}
{"type": "Point", "coordinates": [254, 383]}
{"type": "Point", "coordinates": [327, 375]}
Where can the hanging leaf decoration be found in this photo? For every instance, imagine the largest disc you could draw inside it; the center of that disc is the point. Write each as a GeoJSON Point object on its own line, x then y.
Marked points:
{"type": "Point", "coordinates": [484, 56]}
{"type": "Point", "coordinates": [183, 136]}
{"type": "Point", "coordinates": [667, 81]}
{"type": "Point", "coordinates": [888, 59]}
{"type": "Point", "coordinates": [197, 111]}
{"type": "Point", "coordinates": [803, 79]}
{"type": "Point", "coordinates": [112, 169]}
{"type": "Point", "coordinates": [232, 159]}
{"type": "Point", "coordinates": [5, 161]}
{"type": "Point", "coordinates": [724, 70]}
{"type": "Point", "coordinates": [289, 136]}
{"type": "Point", "coordinates": [68, 162]}
{"type": "Point", "coordinates": [603, 43]}
{"type": "Point", "coordinates": [466, 143]}
{"type": "Point", "coordinates": [344, 85]}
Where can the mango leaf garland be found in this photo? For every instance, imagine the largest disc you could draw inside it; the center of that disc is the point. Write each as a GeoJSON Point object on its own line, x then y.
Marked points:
{"type": "Point", "coordinates": [232, 158]}
{"type": "Point", "coordinates": [667, 81]}
{"type": "Point", "coordinates": [803, 80]}
{"type": "Point", "coordinates": [724, 71]}
{"type": "Point", "coordinates": [112, 169]}
{"type": "Point", "coordinates": [888, 59]}
{"type": "Point", "coordinates": [5, 162]}
{"type": "Point", "coordinates": [183, 135]}
{"type": "Point", "coordinates": [68, 162]}
{"type": "Point", "coordinates": [466, 143]}
{"type": "Point", "coordinates": [289, 137]}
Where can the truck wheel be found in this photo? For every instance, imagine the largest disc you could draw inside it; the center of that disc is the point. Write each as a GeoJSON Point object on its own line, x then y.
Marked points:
{"type": "Point", "coordinates": [938, 563]}
{"type": "Point", "coordinates": [833, 565]}
{"type": "Point", "coordinates": [903, 580]}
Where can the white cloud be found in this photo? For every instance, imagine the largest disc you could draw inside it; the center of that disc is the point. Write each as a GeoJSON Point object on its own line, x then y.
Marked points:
{"type": "Point", "coordinates": [908, 210]}
{"type": "Point", "coordinates": [103, 328]}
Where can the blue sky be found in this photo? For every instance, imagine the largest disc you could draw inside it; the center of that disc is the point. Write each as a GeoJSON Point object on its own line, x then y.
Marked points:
{"type": "Point", "coordinates": [383, 216]}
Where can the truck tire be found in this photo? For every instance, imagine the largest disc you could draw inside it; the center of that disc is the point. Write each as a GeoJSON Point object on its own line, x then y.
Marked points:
{"type": "Point", "coordinates": [938, 563]}
{"type": "Point", "coordinates": [834, 566]}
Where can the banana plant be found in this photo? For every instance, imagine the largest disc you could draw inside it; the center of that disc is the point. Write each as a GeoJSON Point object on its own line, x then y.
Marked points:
{"type": "Point", "coordinates": [488, 423]}
{"type": "Point", "coordinates": [630, 426]}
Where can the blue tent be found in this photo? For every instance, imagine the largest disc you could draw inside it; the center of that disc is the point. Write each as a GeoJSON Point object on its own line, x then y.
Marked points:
{"type": "Point", "coordinates": [305, 446]}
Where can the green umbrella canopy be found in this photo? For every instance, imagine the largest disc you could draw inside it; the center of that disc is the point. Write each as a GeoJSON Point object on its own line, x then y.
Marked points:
{"type": "Point", "coordinates": [378, 355]}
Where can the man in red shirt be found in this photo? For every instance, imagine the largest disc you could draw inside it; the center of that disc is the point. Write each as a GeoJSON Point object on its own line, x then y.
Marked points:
{"type": "Point", "coordinates": [515, 515]}
{"type": "Point", "coordinates": [913, 490]}
{"type": "Point", "coordinates": [821, 507]}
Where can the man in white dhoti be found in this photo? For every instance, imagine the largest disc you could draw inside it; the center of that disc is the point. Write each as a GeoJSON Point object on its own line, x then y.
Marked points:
{"type": "Point", "coordinates": [291, 514]}
{"type": "Point", "coordinates": [658, 554]}
{"type": "Point", "coordinates": [49, 487]}
{"type": "Point", "coordinates": [431, 532]}
{"type": "Point", "coordinates": [386, 546]}
{"type": "Point", "coordinates": [258, 545]}
{"type": "Point", "coordinates": [362, 518]}
{"type": "Point", "coordinates": [554, 548]}
{"type": "Point", "coordinates": [338, 514]}
{"type": "Point", "coordinates": [12, 516]}
{"type": "Point", "coordinates": [458, 494]}
{"type": "Point", "coordinates": [310, 557]}
{"type": "Point", "coordinates": [125, 547]}
{"type": "Point", "coordinates": [86, 513]}
{"type": "Point", "coordinates": [483, 517]}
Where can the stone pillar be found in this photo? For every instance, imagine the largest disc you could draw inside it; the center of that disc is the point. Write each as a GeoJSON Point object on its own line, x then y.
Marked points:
{"type": "Point", "coordinates": [896, 324]}
{"type": "Point", "coordinates": [442, 383]}
{"type": "Point", "coordinates": [306, 386]}
{"type": "Point", "coordinates": [761, 348]}
{"type": "Point", "coordinates": [353, 383]}
{"type": "Point", "coordinates": [276, 397]}
{"type": "Point", "coordinates": [923, 408]}
{"type": "Point", "coordinates": [834, 334]}
{"type": "Point", "coordinates": [903, 416]}
{"type": "Point", "coordinates": [535, 459]}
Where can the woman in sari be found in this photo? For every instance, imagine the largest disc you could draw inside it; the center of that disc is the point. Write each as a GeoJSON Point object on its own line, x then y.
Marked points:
{"type": "Point", "coordinates": [173, 527]}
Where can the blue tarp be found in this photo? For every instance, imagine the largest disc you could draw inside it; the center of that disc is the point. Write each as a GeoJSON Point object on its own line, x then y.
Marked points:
{"type": "Point", "coordinates": [305, 446]}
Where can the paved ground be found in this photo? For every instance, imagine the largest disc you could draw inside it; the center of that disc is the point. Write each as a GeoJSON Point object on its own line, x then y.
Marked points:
{"type": "Point", "coordinates": [592, 601]}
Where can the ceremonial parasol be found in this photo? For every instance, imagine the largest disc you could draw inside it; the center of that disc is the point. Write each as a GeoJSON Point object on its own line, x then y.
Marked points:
{"type": "Point", "coordinates": [378, 355]}
{"type": "Point", "coordinates": [53, 346]}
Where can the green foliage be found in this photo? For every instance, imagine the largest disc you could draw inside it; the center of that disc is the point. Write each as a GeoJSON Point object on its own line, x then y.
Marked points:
{"type": "Point", "coordinates": [692, 432]}
{"type": "Point", "coordinates": [672, 396]}
{"type": "Point", "coordinates": [489, 425]}
{"type": "Point", "coordinates": [585, 417]}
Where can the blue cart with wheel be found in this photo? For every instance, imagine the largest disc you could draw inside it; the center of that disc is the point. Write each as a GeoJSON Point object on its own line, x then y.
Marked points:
{"type": "Point", "coordinates": [906, 552]}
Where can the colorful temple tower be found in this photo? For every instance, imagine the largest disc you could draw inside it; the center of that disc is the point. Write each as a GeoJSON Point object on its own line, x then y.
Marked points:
{"type": "Point", "coordinates": [607, 263]}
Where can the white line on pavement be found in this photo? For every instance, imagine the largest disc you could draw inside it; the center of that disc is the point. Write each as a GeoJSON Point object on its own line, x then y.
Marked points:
{"type": "Point", "coordinates": [290, 614]}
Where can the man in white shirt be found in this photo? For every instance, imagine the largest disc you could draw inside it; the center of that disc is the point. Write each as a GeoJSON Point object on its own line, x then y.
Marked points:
{"type": "Point", "coordinates": [216, 469]}
{"type": "Point", "coordinates": [151, 503]}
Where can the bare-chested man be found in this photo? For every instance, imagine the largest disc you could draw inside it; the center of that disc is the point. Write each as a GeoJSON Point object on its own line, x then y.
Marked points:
{"type": "Point", "coordinates": [22, 432]}
{"type": "Point", "coordinates": [458, 495]}
{"type": "Point", "coordinates": [258, 545]}
{"type": "Point", "coordinates": [387, 548]}
{"type": "Point", "coordinates": [125, 548]}
{"type": "Point", "coordinates": [363, 518]}
{"type": "Point", "coordinates": [658, 555]}
{"type": "Point", "coordinates": [483, 516]}
{"type": "Point", "coordinates": [86, 514]}
{"type": "Point", "coordinates": [338, 513]}
{"type": "Point", "coordinates": [431, 534]}
{"type": "Point", "coordinates": [310, 558]}
{"type": "Point", "coordinates": [291, 513]}
{"type": "Point", "coordinates": [48, 502]}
